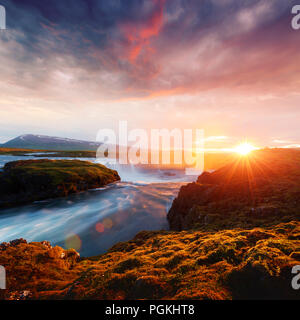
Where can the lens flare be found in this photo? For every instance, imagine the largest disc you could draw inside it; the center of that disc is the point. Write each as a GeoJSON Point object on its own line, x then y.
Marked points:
{"type": "Point", "coordinates": [108, 223]}
{"type": "Point", "coordinates": [73, 242]}
{"type": "Point", "coordinates": [100, 227]}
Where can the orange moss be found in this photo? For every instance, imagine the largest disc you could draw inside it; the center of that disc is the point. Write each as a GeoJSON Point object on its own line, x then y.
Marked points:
{"type": "Point", "coordinates": [223, 265]}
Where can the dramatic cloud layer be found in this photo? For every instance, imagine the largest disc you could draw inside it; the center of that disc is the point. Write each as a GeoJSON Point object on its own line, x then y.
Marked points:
{"type": "Point", "coordinates": [229, 66]}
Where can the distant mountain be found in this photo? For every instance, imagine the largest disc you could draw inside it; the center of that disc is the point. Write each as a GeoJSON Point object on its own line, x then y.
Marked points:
{"type": "Point", "coordinates": [40, 142]}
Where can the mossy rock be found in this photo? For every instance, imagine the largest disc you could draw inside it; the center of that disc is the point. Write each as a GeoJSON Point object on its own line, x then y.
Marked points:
{"type": "Point", "coordinates": [31, 180]}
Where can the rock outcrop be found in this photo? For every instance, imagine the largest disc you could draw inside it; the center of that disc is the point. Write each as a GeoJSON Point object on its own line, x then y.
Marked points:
{"type": "Point", "coordinates": [264, 185]}
{"type": "Point", "coordinates": [27, 181]}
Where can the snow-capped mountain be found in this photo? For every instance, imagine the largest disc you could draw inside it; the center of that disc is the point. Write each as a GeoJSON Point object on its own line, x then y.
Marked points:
{"type": "Point", "coordinates": [30, 141]}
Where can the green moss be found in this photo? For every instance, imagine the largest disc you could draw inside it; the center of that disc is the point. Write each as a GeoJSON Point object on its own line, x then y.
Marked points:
{"type": "Point", "coordinates": [31, 180]}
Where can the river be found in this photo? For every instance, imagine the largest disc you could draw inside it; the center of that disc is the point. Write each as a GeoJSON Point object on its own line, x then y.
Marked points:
{"type": "Point", "coordinates": [91, 222]}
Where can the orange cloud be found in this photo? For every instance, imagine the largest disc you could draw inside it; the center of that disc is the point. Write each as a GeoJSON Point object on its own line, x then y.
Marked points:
{"type": "Point", "coordinates": [139, 36]}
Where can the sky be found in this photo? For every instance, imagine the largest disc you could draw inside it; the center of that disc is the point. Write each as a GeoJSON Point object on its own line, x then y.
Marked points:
{"type": "Point", "coordinates": [231, 67]}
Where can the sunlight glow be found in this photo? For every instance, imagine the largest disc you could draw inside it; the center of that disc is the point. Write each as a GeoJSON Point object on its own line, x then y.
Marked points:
{"type": "Point", "coordinates": [244, 149]}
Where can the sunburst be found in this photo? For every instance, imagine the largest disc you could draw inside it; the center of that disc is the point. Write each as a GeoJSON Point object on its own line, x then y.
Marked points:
{"type": "Point", "coordinates": [244, 149]}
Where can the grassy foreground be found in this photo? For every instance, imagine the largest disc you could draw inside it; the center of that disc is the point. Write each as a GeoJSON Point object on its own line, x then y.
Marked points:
{"type": "Point", "coordinates": [32, 180]}
{"type": "Point", "coordinates": [229, 264]}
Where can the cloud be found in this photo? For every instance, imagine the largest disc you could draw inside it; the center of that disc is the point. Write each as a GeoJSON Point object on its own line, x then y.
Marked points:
{"type": "Point", "coordinates": [291, 146]}
{"type": "Point", "coordinates": [147, 48]}
{"type": "Point", "coordinates": [225, 62]}
{"type": "Point", "coordinates": [138, 35]}
{"type": "Point", "coordinates": [281, 141]}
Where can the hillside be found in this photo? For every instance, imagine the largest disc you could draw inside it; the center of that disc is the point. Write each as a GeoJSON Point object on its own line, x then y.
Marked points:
{"type": "Point", "coordinates": [264, 187]}
{"type": "Point", "coordinates": [41, 142]}
{"type": "Point", "coordinates": [32, 180]}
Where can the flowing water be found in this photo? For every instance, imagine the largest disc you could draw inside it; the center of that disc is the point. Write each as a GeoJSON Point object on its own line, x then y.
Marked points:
{"type": "Point", "coordinates": [91, 222]}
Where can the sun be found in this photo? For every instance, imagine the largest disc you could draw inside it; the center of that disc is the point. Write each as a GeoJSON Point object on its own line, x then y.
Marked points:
{"type": "Point", "coordinates": [244, 149]}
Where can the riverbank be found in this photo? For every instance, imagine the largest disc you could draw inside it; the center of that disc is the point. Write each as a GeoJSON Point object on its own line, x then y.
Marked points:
{"type": "Point", "coordinates": [45, 153]}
